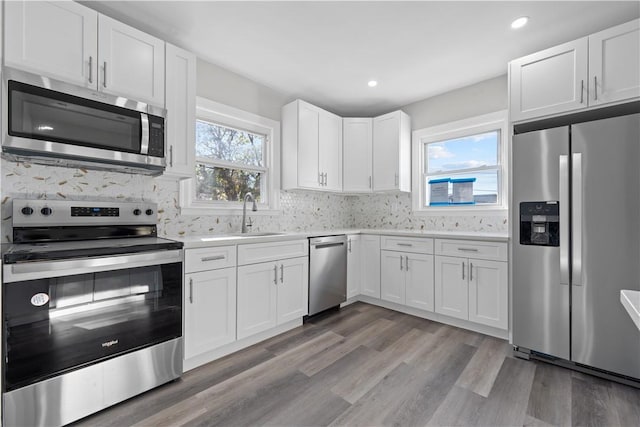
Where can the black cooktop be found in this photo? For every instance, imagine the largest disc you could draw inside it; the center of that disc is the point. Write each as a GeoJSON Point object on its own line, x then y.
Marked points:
{"type": "Point", "coordinates": [28, 252]}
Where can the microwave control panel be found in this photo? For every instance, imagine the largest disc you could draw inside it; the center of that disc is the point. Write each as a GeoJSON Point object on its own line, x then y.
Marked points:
{"type": "Point", "coordinates": [156, 136]}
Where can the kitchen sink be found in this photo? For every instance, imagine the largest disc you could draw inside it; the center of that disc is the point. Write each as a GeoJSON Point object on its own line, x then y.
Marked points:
{"type": "Point", "coordinates": [258, 234]}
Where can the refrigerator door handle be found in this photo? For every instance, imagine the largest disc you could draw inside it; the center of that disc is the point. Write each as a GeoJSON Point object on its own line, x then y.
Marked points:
{"type": "Point", "coordinates": [576, 232]}
{"type": "Point", "coordinates": [564, 219]}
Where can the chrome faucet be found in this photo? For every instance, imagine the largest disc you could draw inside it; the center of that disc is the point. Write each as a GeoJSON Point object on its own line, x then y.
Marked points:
{"type": "Point", "coordinates": [244, 210]}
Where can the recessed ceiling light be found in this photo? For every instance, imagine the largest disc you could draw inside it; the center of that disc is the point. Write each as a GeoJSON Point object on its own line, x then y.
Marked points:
{"type": "Point", "coordinates": [372, 83]}
{"type": "Point", "coordinates": [520, 22]}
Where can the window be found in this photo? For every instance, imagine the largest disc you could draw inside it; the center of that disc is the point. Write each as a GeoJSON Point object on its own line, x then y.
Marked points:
{"type": "Point", "coordinates": [236, 153]}
{"type": "Point", "coordinates": [461, 165]}
{"type": "Point", "coordinates": [229, 163]}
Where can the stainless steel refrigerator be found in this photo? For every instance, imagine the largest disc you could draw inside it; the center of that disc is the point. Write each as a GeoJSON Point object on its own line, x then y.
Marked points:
{"type": "Point", "coordinates": [576, 242]}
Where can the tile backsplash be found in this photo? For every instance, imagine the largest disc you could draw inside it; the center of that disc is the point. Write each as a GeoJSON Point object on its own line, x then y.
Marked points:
{"type": "Point", "coordinates": [301, 210]}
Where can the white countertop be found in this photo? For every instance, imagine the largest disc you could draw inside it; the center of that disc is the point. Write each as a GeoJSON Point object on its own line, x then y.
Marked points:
{"type": "Point", "coordinates": [202, 241]}
{"type": "Point", "coordinates": [631, 301]}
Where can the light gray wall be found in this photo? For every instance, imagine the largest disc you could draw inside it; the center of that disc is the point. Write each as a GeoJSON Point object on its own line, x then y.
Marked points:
{"type": "Point", "coordinates": [221, 85]}
{"type": "Point", "coordinates": [474, 100]}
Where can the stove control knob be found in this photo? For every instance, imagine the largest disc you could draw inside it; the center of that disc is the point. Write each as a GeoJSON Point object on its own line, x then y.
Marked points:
{"type": "Point", "coordinates": [149, 212]}
{"type": "Point", "coordinates": [26, 210]}
{"type": "Point", "coordinates": [137, 211]}
{"type": "Point", "coordinates": [46, 211]}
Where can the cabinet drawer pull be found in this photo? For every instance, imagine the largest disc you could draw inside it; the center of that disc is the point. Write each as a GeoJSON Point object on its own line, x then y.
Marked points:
{"type": "Point", "coordinates": [405, 244]}
{"type": "Point", "coordinates": [191, 290]}
{"type": "Point", "coordinates": [212, 258]}
{"type": "Point", "coordinates": [275, 274]}
{"type": "Point", "coordinates": [468, 249]}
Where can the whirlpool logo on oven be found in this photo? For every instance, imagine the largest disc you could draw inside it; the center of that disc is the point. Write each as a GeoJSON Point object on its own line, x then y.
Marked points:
{"type": "Point", "coordinates": [39, 299]}
{"type": "Point", "coordinates": [109, 343]}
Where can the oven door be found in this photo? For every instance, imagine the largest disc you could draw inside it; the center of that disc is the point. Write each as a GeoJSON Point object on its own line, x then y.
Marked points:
{"type": "Point", "coordinates": [62, 315]}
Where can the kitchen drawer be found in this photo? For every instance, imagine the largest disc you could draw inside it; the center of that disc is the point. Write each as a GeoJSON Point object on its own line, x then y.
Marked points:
{"type": "Point", "coordinates": [209, 258]}
{"type": "Point", "coordinates": [421, 245]}
{"type": "Point", "coordinates": [495, 251]}
{"type": "Point", "coordinates": [263, 252]}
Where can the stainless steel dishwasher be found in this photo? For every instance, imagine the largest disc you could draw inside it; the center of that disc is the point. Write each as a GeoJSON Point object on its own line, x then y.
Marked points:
{"type": "Point", "coordinates": [327, 272]}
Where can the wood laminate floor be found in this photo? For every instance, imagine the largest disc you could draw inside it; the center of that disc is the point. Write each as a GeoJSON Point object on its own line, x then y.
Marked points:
{"type": "Point", "coordinates": [369, 366]}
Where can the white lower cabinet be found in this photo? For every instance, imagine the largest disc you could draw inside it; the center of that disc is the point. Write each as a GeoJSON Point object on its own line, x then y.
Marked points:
{"type": "Point", "coordinates": [271, 293]}
{"type": "Point", "coordinates": [354, 260]}
{"type": "Point", "coordinates": [210, 310]}
{"type": "Point", "coordinates": [370, 266]}
{"type": "Point", "coordinates": [472, 289]}
{"type": "Point", "coordinates": [407, 278]}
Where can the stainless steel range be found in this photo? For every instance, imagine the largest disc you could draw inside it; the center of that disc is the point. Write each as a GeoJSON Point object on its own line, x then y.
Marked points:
{"type": "Point", "coordinates": [92, 309]}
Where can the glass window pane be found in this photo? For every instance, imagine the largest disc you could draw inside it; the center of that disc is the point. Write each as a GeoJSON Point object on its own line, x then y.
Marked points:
{"type": "Point", "coordinates": [463, 153]}
{"type": "Point", "coordinates": [226, 184]}
{"type": "Point", "coordinates": [231, 145]}
{"type": "Point", "coordinates": [485, 188]}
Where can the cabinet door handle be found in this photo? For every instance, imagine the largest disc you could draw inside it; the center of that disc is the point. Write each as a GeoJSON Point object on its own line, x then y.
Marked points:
{"type": "Point", "coordinates": [471, 271]}
{"type": "Point", "coordinates": [90, 69]}
{"type": "Point", "coordinates": [212, 258]}
{"type": "Point", "coordinates": [468, 249]}
{"type": "Point", "coordinates": [325, 178]}
{"type": "Point", "coordinates": [405, 244]}
{"type": "Point", "coordinates": [463, 271]}
{"type": "Point", "coordinates": [406, 263]}
{"type": "Point", "coordinates": [104, 80]}
{"type": "Point", "coordinates": [370, 183]}
{"type": "Point", "coordinates": [281, 273]}
{"type": "Point", "coordinates": [595, 88]}
{"type": "Point", "coordinates": [191, 290]}
{"type": "Point", "coordinates": [581, 91]}
{"type": "Point", "coordinates": [401, 268]}
{"type": "Point", "coordinates": [275, 274]}
{"type": "Point", "coordinates": [320, 178]}
{"type": "Point", "coordinates": [171, 155]}
{"type": "Point", "coordinates": [349, 245]}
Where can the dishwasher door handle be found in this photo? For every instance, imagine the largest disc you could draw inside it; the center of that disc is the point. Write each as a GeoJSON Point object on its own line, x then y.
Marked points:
{"type": "Point", "coordinates": [327, 245]}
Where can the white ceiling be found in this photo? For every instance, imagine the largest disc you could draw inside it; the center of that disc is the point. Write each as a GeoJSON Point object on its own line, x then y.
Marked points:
{"type": "Point", "coordinates": [325, 52]}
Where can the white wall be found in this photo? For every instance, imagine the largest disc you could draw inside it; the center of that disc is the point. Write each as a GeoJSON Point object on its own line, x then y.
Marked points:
{"type": "Point", "coordinates": [474, 100]}
{"type": "Point", "coordinates": [232, 89]}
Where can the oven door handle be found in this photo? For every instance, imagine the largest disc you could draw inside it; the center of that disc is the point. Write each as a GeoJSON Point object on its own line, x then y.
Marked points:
{"type": "Point", "coordinates": [47, 269]}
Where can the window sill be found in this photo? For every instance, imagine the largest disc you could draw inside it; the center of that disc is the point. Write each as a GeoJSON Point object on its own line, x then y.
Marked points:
{"type": "Point", "coordinates": [222, 211]}
{"type": "Point", "coordinates": [461, 210]}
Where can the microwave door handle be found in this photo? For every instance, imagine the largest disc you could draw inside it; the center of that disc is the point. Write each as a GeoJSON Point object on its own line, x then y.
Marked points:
{"type": "Point", "coordinates": [144, 140]}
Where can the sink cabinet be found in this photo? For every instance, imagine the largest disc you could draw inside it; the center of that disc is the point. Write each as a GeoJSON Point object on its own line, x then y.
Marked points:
{"type": "Point", "coordinates": [272, 288]}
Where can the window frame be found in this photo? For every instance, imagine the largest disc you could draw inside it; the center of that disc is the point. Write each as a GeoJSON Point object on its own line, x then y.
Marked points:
{"type": "Point", "coordinates": [472, 126]}
{"type": "Point", "coordinates": [224, 115]}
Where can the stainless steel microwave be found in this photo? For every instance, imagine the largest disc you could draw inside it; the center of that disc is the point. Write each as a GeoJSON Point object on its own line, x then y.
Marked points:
{"type": "Point", "coordinates": [51, 122]}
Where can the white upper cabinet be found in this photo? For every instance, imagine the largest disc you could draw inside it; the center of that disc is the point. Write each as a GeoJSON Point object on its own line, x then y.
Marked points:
{"type": "Point", "coordinates": [549, 82]}
{"type": "Point", "coordinates": [131, 62]}
{"type": "Point", "coordinates": [357, 145]}
{"type": "Point", "coordinates": [58, 39]}
{"type": "Point", "coordinates": [72, 43]}
{"type": "Point", "coordinates": [599, 69]}
{"type": "Point", "coordinates": [392, 152]}
{"type": "Point", "coordinates": [180, 91]}
{"type": "Point", "coordinates": [614, 64]}
{"type": "Point", "coordinates": [330, 144]}
{"type": "Point", "coordinates": [311, 148]}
